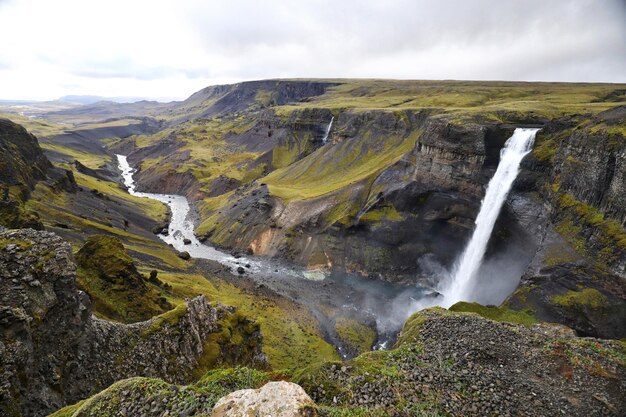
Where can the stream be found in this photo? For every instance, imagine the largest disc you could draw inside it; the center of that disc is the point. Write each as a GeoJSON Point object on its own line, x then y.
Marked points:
{"type": "Point", "coordinates": [388, 304]}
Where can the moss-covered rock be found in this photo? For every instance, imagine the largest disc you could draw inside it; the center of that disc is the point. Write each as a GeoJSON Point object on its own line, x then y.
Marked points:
{"type": "Point", "coordinates": [135, 395]}
{"type": "Point", "coordinates": [501, 313]}
{"type": "Point", "coordinates": [118, 291]}
{"type": "Point", "coordinates": [577, 295]}
{"type": "Point", "coordinates": [54, 351]}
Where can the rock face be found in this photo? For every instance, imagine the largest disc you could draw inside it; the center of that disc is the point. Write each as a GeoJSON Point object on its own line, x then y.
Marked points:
{"type": "Point", "coordinates": [22, 165]}
{"type": "Point", "coordinates": [461, 364]}
{"type": "Point", "coordinates": [276, 399]}
{"type": "Point", "coordinates": [574, 294]}
{"type": "Point", "coordinates": [23, 161]}
{"type": "Point", "coordinates": [577, 274]}
{"type": "Point", "coordinates": [54, 352]}
{"type": "Point", "coordinates": [433, 186]}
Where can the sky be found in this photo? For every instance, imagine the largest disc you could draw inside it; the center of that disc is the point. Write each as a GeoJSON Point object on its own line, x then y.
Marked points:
{"type": "Point", "coordinates": [168, 49]}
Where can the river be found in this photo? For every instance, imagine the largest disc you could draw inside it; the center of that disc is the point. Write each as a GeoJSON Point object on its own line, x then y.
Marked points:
{"type": "Point", "coordinates": [388, 304]}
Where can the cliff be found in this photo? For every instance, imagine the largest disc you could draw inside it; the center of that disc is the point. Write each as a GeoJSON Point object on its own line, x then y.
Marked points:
{"type": "Point", "coordinates": [54, 352]}
{"type": "Point", "coordinates": [22, 166]}
{"type": "Point", "coordinates": [577, 274]}
{"type": "Point", "coordinates": [445, 363]}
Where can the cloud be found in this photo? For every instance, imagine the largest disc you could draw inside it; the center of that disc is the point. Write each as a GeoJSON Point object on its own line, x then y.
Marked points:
{"type": "Point", "coordinates": [172, 48]}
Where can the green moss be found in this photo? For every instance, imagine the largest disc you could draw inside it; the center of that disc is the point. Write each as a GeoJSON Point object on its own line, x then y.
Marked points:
{"type": "Point", "coordinates": [226, 347]}
{"type": "Point", "coordinates": [496, 313]}
{"type": "Point", "coordinates": [576, 216]}
{"type": "Point", "coordinates": [22, 245]}
{"type": "Point", "coordinates": [330, 169]}
{"type": "Point", "coordinates": [588, 297]}
{"type": "Point", "coordinates": [411, 329]}
{"type": "Point", "coordinates": [224, 381]}
{"type": "Point", "coordinates": [388, 213]}
{"type": "Point", "coordinates": [545, 151]}
{"type": "Point", "coordinates": [355, 335]}
{"type": "Point", "coordinates": [168, 319]}
{"type": "Point", "coordinates": [284, 155]}
{"type": "Point", "coordinates": [108, 274]}
{"type": "Point", "coordinates": [14, 215]}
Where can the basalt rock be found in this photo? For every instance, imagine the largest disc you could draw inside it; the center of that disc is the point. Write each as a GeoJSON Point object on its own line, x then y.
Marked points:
{"type": "Point", "coordinates": [577, 274]}
{"type": "Point", "coordinates": [461, 364]}
{"type": "Point", "coordinates": [54, 352]}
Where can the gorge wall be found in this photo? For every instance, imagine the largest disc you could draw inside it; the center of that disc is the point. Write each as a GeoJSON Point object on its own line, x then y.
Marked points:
{"type": "Point", "coordinates": [393, 195]}
{"type": "Point", "coordinates": [54, 352]}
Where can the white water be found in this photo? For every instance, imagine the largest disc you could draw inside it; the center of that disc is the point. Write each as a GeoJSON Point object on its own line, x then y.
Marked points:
{"type": "Point", "coordinates": [181, 227]}
{"type": "Point", "coordinates": [325, 138]}
{"type": "Point", "coordinates": [460, 284]}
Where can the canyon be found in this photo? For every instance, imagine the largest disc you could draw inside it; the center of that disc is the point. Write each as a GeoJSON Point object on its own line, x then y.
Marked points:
{"type": "Point", "coordinates": [329, 212]}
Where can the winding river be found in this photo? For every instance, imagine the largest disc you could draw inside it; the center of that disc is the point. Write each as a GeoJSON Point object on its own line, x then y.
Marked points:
{"type": "Point", "coordinates": [181, 228]}
{"type": "Point", "coordinates": [387, 303]}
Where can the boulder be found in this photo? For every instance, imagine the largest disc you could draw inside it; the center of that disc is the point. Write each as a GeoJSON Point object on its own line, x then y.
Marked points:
{"type": "Point", "coordinates": [276, 399]}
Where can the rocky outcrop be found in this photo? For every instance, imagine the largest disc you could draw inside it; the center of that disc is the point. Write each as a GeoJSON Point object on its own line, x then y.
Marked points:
{"type": "Point", "coordinates": [276, 399]}
{"type": "Point", "coordinates": [445, 363]}
{"type": "Point", "coordinates": [22, 165]}
{"type": "Point", "coordinates": [117, 290]}
{"type": "Point", "coordinates": [23, 162]}
{"type": "Point", "coordinates": [54, 352]}
{"type": "Point", "coordinates": [461, 364]}
{"type": "Point", "coordinates": [591, 302]}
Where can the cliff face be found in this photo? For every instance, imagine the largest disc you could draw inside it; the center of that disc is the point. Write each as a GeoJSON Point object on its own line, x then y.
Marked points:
{"type": "Point", "coordinates": [409, 171]}
{"type": "Point", "coordinates": [22, 160]}
{"type": "Point", "coordinates": [22, 165]}
{"type": "Point", "coordinates": [54, 352]}
{"type": "Point", "coordinates": [394, 191]}
{"type": "Point", "coordinates": [577, 275]}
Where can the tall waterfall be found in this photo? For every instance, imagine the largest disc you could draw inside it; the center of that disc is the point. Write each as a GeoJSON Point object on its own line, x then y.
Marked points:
{"type": "Point", "coordinates": [459, 286]}
{"type": "Point", "coordinates": [325, 138]}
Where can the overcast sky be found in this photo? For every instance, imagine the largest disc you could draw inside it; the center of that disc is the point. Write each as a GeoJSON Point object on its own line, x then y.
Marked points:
{"type": "Point", "coordinates": [171, 48]}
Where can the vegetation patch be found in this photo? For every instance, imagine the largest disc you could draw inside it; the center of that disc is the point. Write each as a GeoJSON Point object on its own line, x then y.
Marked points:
{"type": "Point", "coordinates": [118, 291]}
{"type": "Point", "coordinates": [291, 336]}
{"type": "Point", "coordinates": [588, 297]}
{"type": "Point", "coordinates": [358, 337]}
{"type": "Point", "coordinates": [501, 313]}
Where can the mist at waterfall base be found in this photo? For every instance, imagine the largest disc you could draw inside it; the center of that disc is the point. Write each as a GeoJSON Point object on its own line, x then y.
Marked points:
{"type": "Point", "coordinates": [471, 278]}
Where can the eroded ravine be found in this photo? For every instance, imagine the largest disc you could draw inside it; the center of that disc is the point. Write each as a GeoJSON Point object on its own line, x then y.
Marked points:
{"type": "Point", "coordinates": [372, 300]}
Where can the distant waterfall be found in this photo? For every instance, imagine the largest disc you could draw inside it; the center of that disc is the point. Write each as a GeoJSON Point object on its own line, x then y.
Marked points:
{"type": "Point", "coordinates": [325, 139]}
{"type": "Point", "coordinates": [459, 286]}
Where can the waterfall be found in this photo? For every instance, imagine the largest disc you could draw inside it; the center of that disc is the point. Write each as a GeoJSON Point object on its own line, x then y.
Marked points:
{"type": "Point", "coordinates": [459, 286]}
{"type": "Point", "coordinates": [325, 138]}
